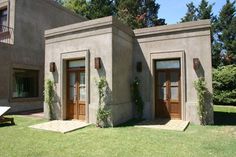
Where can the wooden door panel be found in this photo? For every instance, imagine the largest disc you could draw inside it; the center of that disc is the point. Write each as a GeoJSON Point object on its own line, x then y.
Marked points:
{"type": "Point", "coordinates": [70, 111]}
{"type": "Point", "coordinates": [82, 109]}
{"type": "Point", "coordinates": [162, 109]}
{"type": "Point", "coordinates": [167, 87]}
{"type": "Point", "coordinates": [71, 89]}
{"type": "Point", "coordinates": [75, 92]}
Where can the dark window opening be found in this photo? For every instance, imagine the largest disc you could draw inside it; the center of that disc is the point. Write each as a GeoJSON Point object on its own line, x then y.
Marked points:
{"type": "Point", "coordinates": [3, 19]}
{"type": "Point", "coordinates": [25, 83]}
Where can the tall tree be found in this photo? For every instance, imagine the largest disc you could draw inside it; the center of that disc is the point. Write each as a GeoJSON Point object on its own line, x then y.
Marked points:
{"type": "Point", "coordinates": [127, 12]}
{"type": "Point", "coordinates": [91, 9]}
{"type": "Point", "coordinates": [201, 12]}
{"type": "Point", "coordinates": [191, 13]}
{"type": "Point", "coordinates": [139, 13]}
{"type": "Point", "coordinates": [204, 10]}
{"type": "Point", "coordinates": [78, 6]}
{"type": "Point", "coordinates": [225, 45]}
{"type": "Point", "coordinates": [101, 8]}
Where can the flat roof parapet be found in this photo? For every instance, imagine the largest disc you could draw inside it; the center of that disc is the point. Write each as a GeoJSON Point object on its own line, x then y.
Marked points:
{"type": "Point", "coordinates": [181, 27]}
{"type": "Point", "coordinates": [89, 25]}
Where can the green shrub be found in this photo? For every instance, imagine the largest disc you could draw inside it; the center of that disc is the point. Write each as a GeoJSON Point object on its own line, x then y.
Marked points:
{"type": "Point", "coordinates": [224, 85]}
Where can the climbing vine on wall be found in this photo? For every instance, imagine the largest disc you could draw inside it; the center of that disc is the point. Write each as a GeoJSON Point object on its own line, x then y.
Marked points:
{"type": "Point", "coordinates": [48, 96]}
{"type": "Point", "coordinates": [103, 113]}
{"type": "Point", "coordinates": [200, 86]}
{"type": "Point", "coordinates": [136, 97]}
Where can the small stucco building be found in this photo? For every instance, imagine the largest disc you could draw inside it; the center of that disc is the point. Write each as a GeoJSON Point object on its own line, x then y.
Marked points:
{"type": "Point", "coordinates": [22, 26]}
{"type": "Point", "coordinates": [166, 59]}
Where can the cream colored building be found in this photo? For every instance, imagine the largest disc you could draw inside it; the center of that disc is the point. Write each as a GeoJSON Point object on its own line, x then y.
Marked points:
{"type": "Point", "coordinates": [166, 60]}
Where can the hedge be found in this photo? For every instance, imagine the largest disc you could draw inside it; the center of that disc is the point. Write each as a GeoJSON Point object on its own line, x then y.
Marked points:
{"type": "Point", "coordinates": [224, 85]}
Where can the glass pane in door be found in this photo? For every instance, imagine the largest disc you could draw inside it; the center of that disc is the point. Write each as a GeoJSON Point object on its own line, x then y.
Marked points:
{"type": "Point", "coordinates": [162, 79]}
{"type": "Point", "coordinates": [174, 85]}
{"type": "Point", "coordinates": [174, 93]}
{"type": "Point", "coordinates": [72, 81]}
{"type": "Point", "coordinates": [82, 87]}
{"type": "Point", "coordinates": [174, 78]}
{"type": "Point", "coordinates": [162, 93]}
{"type": "Point", "coordinates": [168, 64]}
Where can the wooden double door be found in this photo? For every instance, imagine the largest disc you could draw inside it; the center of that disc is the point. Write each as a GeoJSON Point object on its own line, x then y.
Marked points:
{"type": "Point", "coordinates": [167, 95]}
{"type": "Point", "coordinates": [76, 90]}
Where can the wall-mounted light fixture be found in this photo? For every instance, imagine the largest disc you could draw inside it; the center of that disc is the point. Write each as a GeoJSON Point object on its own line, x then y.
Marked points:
{"type": "Point", "coordinates": [52, 67]}
{"type": "Point", "coordinates": [97, 64]}
{"type": "Point", "coordinates": [139, 66]}
{"type": "Point", "coordinates": [196, 63]}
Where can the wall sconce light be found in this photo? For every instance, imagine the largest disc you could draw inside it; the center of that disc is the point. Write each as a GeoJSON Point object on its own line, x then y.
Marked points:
{"type": "Point", "coordinates": [52, 67]}
{"type": "Point", "coordinates": [196, 63]}
{"type": "Point", "coordinates": [97, 63]}
{"type": "Point", "coordinates": [139, 67]}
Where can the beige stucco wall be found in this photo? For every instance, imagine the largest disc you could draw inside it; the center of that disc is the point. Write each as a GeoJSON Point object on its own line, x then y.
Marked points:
{"type": "Point", "coordinates": [98, 38]}
{"type": "Point", "coordinates": [191, 40]}
{"type": "Point", "coordinates": [29, 19]}
{"type": "Point", "coordinates": [122, 109]}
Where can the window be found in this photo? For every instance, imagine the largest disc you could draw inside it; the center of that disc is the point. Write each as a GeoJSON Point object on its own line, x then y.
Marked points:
{"type": "Point", "coordinates": [76, 63]}
{"type": "Point", "coordinates": [3, 17]}
{"type": "Point", "coordinates": [25, 83]}
{"type": "Point", "coordinates": [168, 64]}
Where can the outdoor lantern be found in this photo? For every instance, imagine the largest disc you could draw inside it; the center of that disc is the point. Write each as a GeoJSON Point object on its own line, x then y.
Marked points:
{"type": "Point", "coordinates": [139, 66]}
{"type": "Point", "coordinates": [97, 63]}
{"type": "Point", "coordinates": [196, 63]}
{"type": "Point", "coordinates": [52, 67]}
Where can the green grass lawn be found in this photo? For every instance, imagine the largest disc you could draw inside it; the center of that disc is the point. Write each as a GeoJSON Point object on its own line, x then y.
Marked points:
{"type": "Point", "coordinates": [227, 109]}
{"type": "Point", "coordinates": [22, 141]}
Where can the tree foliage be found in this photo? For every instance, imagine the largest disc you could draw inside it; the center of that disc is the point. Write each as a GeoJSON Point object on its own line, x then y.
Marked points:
{"type": "Point", "coordinates": [191, 13]}
{"type": "Point", "coordinates": [135, 13]}
{"type": "Point", "coordinates": [91, 9]}
{"type": "Point", "coordinates": [224, 84]}
{"type": "Point", "coordinates": [201, 12]}
{"type": "Point", "coordinates": [223, 29]}
{"type": "Point", "coordinates": [225, 36]}
{"type": "Point", "coordinates": [138, 13]}
{"type": "Point", "coordinates": [100, 8]}
{"type": "Point", "coordinates": [204, 10]}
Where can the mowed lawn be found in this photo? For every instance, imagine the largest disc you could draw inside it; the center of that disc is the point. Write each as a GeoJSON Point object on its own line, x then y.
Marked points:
{"type": "Point", "coordinates": [129, 141]}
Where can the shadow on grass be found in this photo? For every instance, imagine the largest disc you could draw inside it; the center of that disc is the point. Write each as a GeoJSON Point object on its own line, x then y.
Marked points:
{"type": "Point", "coordinates": [131, 122]}
{"type": "Point", "coordinates": [6, 125]}
{"type": "Point", "coordinates": [224, 118]}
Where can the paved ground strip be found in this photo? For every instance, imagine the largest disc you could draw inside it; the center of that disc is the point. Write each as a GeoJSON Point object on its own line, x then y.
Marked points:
{"type": "Point", "coordinates": [176, 125]}
{"type": "Point", "coordinates": [62, 126]}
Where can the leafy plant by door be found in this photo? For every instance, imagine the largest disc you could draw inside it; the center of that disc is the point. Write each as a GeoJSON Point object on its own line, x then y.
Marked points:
{"type": "Point", "coordinates": [200, 86]}
{"type": "Point", "coordinates": [103, 113]}
{"type": "Point", "coordinates": [48, 96]}
{"type": "Point", "coordinates": [136, 97]}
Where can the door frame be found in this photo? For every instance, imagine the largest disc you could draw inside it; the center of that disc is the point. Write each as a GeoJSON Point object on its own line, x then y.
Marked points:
{"type": "Point", "coordinates": [64, 57]}
{"type": "Point", "coordinates": [168, 55]}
